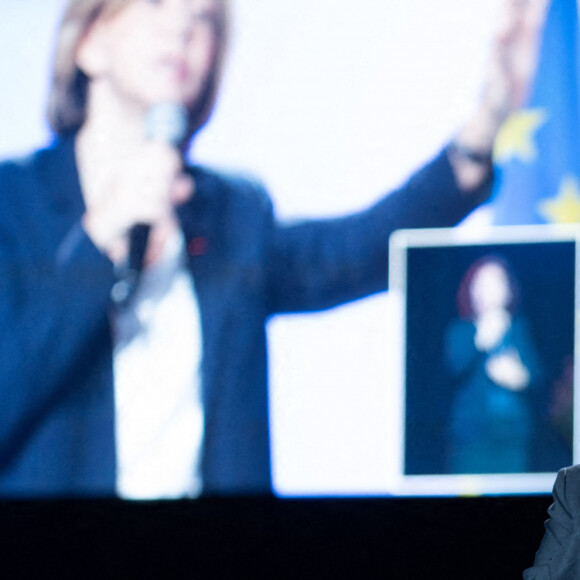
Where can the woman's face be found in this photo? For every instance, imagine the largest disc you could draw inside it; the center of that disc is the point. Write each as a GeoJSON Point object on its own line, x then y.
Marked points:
{"type": "Point", "coordinates": [152, 51]}
{"type": "Point", "coordinates": [490, 289]}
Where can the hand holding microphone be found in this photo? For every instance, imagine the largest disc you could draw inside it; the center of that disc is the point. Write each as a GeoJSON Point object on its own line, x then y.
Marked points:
{"type": "Point", "coordinates": [490, 328]}
{"type": "Point", "coordinates": [165, 124]}
{"type": "Point", "coordinates": [130, 214]}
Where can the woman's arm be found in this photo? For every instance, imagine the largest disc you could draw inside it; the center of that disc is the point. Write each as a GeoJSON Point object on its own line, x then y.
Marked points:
{"type": "Point", "coordinates": [55, 289]}
{"type": "Point", "coordinates": [318, 264]}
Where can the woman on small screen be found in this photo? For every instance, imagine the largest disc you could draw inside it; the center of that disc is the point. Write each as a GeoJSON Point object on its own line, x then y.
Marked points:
{"type": "Point", "coordinates": [490, 352]}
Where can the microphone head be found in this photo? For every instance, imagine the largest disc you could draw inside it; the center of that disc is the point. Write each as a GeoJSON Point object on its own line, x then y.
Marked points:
{"type": "Point", "coordinates": [166, 122]}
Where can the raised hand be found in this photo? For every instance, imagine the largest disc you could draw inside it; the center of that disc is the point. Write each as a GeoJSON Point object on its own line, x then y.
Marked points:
{"type": "Point", "coordinates": [514, 55]}
{"type": "Point", "coordinates": [512, 66]}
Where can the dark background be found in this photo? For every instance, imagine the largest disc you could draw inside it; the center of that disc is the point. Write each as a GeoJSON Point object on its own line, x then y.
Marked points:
{"type": "Point", "coordinates": [463, 538]}
{"type": "Point", "coordinates": [545, 273]}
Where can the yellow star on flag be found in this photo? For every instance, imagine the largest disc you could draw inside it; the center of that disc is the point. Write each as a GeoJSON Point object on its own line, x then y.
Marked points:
{"type": "Point", "coordinates": [565, 207]}
{"type": "Point", "coordinates": [515, 139]}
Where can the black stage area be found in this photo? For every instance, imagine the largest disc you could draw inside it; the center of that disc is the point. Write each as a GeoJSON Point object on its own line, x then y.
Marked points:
{"type": "Point", "coordinates": [464, 538]}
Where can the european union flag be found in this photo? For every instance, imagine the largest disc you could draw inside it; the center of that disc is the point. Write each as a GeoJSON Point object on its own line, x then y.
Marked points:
{"type": "Point", "coordinates": [538, 148]}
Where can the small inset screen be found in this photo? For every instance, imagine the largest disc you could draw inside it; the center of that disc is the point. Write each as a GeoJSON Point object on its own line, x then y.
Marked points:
{"type": "Point", "coordinates": [487, 374]}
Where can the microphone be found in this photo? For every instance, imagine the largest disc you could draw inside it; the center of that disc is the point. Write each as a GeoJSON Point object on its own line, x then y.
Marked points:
{"type": "Point", "coordinates": [165, 123]}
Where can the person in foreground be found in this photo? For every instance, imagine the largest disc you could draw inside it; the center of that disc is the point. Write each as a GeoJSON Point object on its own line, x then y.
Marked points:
{"type": "Point", "coordinates": [559, 555]}
{"type": "Point", "coordinates": [162, 391]}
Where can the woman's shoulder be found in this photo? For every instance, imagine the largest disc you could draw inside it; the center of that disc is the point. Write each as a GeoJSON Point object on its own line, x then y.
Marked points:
{"type": "Point", "coordinates": [34, 164]}
{"type": "Point", "coordinates": [230, 188]}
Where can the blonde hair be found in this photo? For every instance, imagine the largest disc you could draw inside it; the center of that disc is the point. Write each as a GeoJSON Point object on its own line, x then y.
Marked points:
{"type": "Point", "coordinates": [67, 100]}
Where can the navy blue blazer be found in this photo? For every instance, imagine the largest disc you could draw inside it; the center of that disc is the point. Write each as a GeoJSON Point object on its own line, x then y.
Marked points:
{"type": "Point", "coordinates": [56, 382]}
{"type": "Point", "coordinates": [559, 555]}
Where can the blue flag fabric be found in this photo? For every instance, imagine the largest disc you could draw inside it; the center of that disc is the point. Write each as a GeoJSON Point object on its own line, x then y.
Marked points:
{"type": "Point", "coordinates": [538, 149]}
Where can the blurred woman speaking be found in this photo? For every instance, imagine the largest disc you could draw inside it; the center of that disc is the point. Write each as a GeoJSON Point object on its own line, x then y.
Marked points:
{"type": "Point", "coordinates": [135, 288]}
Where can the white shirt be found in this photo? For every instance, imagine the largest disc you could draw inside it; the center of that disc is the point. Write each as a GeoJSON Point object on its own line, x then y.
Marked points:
{"type": "Point", "coordinates": [156, 364]}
